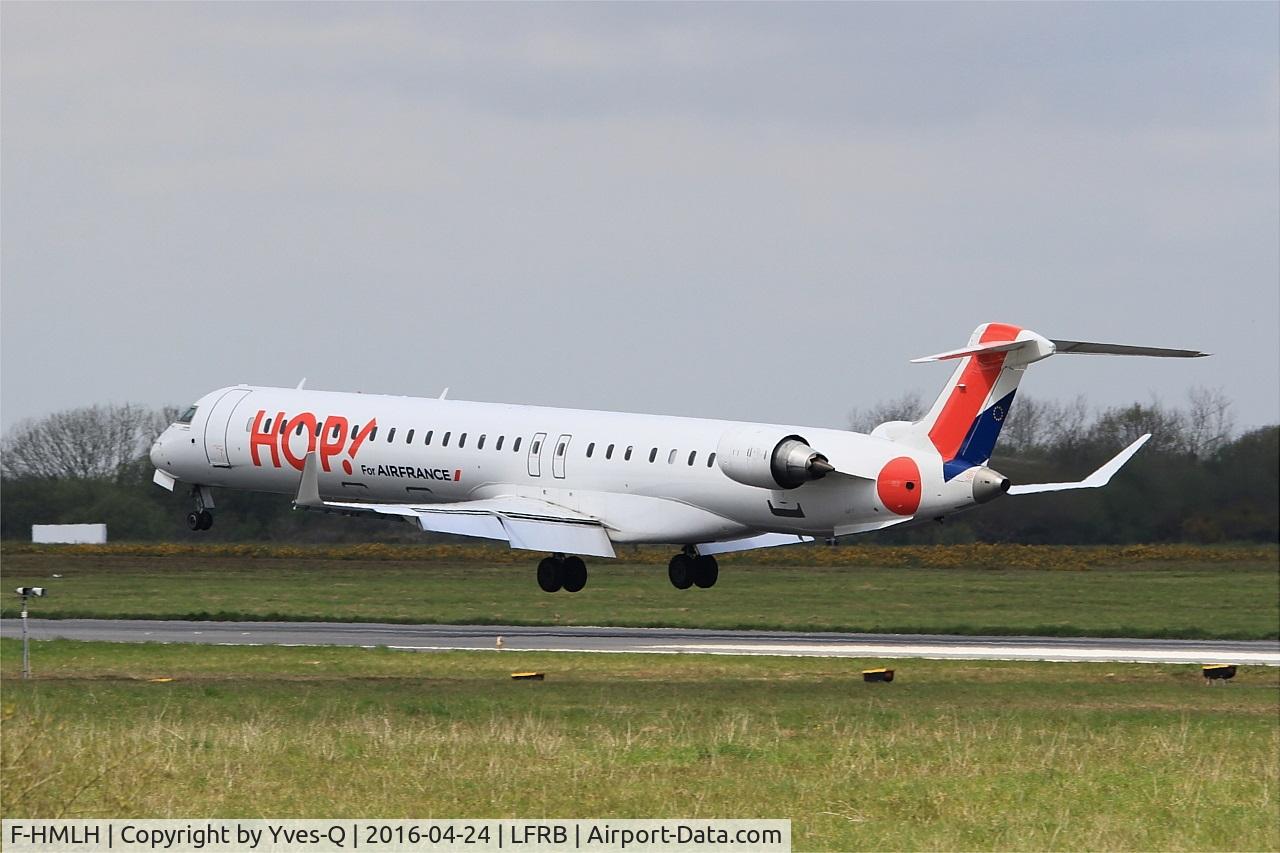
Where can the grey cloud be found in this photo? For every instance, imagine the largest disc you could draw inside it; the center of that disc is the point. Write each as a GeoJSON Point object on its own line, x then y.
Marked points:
{"type": "Point", "coordinates": [753, 211]}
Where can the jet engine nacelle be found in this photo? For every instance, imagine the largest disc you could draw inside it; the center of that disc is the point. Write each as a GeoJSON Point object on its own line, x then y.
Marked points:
{"type": "Point", "coordinates": [769, 458]}
{"type": "Point", "coordinates": [988, 485]}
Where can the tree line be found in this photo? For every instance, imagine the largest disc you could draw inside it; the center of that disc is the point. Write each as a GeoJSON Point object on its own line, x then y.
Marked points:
{"type": "Point", "coordinates": [1197, 480]}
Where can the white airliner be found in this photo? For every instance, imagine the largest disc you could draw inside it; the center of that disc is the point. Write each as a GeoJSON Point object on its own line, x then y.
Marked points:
{"type": "Point", "coordinates": [573, 482]}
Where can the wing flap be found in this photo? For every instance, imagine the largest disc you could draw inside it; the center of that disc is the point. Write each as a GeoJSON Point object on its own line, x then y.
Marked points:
{"type": "Point", "coordinates": [480, 525]}
{"type": "Point", "coordinates": [557, 536]}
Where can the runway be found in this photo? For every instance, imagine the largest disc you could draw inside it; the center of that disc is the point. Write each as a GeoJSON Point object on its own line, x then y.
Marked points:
{"type": "Point", "coordinates": [428, 638]}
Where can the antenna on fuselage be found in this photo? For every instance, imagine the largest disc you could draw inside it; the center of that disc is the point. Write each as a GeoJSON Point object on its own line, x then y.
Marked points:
{"type": "Point", "coordinates": [302, 383]}
{"type": "Point", "coordinates": [445, 392]}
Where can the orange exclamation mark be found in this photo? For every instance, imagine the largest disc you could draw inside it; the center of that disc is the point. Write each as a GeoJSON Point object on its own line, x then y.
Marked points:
{"type": "Point", "coordinates": [357, 441]}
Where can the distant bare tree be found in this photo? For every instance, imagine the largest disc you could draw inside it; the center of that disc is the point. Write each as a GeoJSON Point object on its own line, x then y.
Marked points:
{"type": "Point", "coordinates": [1208, 422]}
{"type": "Point", "coordinates": [1065, 423]}
{"type": "Point", "coordinates": [910, 406]}
{"type": "Point", "coordinates": [92, 442]}
{"type": "Point", "coordinates": [1027, 425]}
{"type": "Point", "coordinates": [1123, 425]}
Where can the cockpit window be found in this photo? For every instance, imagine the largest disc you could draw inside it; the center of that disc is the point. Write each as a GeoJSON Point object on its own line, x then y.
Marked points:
{"type": "Point", "coordinates": [186, 416]}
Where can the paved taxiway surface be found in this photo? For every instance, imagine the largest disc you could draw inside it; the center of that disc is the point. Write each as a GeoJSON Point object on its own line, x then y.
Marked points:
{"type": "Point", "coordinates": [653, 641]}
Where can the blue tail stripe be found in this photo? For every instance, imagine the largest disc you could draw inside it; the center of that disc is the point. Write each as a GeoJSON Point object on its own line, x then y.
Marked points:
{"type": "Point", "coordinates": [981, 439]}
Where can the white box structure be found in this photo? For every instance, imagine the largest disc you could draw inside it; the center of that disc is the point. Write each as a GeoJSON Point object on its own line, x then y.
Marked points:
{"type": "Point", "coordinates": [80, 534]}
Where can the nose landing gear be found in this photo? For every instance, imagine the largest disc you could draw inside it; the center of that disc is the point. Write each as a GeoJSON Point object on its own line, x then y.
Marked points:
{"type": "Point", "coordinates": [200, 518]}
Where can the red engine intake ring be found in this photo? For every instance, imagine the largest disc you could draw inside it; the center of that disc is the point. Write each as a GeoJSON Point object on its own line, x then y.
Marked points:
{"type": "Point", "coordinates": [898, 486]}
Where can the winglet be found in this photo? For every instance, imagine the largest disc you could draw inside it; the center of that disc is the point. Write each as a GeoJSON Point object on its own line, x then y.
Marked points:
{"type": "Point", "coordinates": [309, 485]}
{"type": "Point", "coordinates": [1095, 480]}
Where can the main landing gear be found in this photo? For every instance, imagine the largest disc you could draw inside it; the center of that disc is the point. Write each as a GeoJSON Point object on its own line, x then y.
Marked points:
{"type": "Point", "coordinates": [688, 568]}
{"type": "Point", "coordinates": [559, 572]}
{"type": "Point", "coordinates": [200, 518]}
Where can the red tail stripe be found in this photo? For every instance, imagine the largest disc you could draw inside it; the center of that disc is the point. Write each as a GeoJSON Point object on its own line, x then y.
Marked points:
{"type": "Point", "coordinates": [967, 396]}
{"type": "Point", "coordinates": [999, 332]}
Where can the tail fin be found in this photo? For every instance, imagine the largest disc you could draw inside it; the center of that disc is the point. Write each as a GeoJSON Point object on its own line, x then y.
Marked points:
{"type": "Point", "coordinates": [964, 422]}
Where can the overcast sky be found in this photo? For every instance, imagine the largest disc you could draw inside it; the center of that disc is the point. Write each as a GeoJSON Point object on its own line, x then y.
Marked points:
{"type": "Point", "coordinates": [745, 211]}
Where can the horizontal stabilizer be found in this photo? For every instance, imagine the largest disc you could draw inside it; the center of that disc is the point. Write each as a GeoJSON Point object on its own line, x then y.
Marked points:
{"type": "Point", "coordinates": [1095, 480]}
{"type": "Point", "coordinates": [979, 349]}
{"type": "Point", "coordinates": [1061, 348]}
{"type": "Point", "coordinates": [1086, 348]}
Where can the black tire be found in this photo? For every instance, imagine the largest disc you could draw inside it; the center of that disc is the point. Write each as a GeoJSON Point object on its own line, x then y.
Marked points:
{"type": "Point", "coordinates": [206, 519]}
{"type": "Point", "coordinates": [575, 574]}
{"type": "Point", "coordinates": [550, 574]}
{"type": "Point", "coordinates": [680, 571]}
{"type": "Point", "coordinates": [705, 571]}
{"type": "Point", "coordinates": [193, 520]}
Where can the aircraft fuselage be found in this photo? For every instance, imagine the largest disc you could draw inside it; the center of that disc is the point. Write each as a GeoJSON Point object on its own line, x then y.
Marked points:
{"type": "Point", "coordinates": [648, 478]}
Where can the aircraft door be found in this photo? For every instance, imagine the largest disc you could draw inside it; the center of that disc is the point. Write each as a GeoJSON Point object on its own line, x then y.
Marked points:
{"type": "Point", "coordinates": [561, 451]}
{"type": "Point", "coordinates": [217, 425]}
{"type": "Point", "coordinates": [535, 454]}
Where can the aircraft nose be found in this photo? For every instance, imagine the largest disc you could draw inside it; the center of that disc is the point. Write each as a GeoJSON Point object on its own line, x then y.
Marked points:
{"type": "Point", "coordinates": [157, 450]}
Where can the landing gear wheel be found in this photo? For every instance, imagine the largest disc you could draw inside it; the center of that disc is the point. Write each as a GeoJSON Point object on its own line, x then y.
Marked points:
{"type": "Point", "coordinates": [194, 521]}
{"type": "Point", "coordinates": [551, 574]}
{"type": "Point", "coordinates": [206, 519]}
{"type": "Point", "coordinates": [575, 574]}
{"type": "Point", "coordinates": [680, 571]}
{"type": "Point", "coordinates": [705, 571]}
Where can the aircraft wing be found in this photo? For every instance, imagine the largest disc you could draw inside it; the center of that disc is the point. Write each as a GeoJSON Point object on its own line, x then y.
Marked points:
{"type": "Point", "coordinates": [1095, 480]}
{"type": "Point", "coordinates": [853, 529]}
{"type": "Point", "coordinates": [764, 540]}
{"type": "Point", "coordinates": [526, 523]}
{"type": "Point", "coordinates": [771, 540]}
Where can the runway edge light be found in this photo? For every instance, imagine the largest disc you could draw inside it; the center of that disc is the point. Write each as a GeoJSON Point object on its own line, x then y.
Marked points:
{"type": "Point", "coordinates": [880, 674]}
{"type": "Point", "coordinates": [1218, 672]}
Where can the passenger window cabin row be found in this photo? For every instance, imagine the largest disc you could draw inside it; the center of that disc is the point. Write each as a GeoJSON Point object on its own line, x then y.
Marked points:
{"type": "Point", "coordinates": [497, 445]}
{"type": "Point", "coordinates": [653, 454]}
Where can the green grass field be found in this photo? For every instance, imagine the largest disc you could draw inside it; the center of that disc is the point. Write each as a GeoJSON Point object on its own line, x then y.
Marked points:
{"type": "Point", "coordinates": [1188, 597]}
{"type": "Point", "coordinates": [952, 755]}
